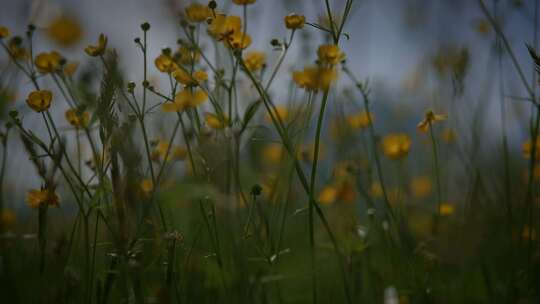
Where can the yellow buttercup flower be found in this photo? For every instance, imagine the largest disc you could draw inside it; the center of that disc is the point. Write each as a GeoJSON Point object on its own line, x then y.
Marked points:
{"type": "Point", "coordinates": [183, 77]}
{"type": "Point", "coordinates": [396, 146]}
{"type": "Point", "coordinates": [243, 2]}
{"type": "Point", "coordinates": [16, 50]}
{"type": "Point", "coordinates": [187, 56]}
{"type": "Point", "coordinates": [254, 60]}
{"type": "Point", "coordinates": [40, 100]}
{"type": "Point", "coordinates": [214, 121]}
{"type": "Point", "coordinates": [429, 119]}
{"type": "Point", "coordinates": [172, 107]}
{"type": "Point", "coordinates": [200, 76]}
{"type": "Point", "coordinates": [421, 186]}
{"type": "Point", "coordinates": [197, 12]}
{"type": "Point", "coordinates": [191, 99]}
{"type": "Point", "coordinates": [77, 118]}
{"type": "Point", "coordinates": [48, 62]}
{"type": "Point", "coordinates": [528, 147]}
{"type": "Point", "coordinates": [36, 198]}
{"type": "Point", "coordinates": [4, 32]}
{"type": "Point", "coordinates": [65, 30]}
{"type": "Point", "coordinates": [185, 99]}
{"type": "Point", "coordinates": [223, 26]}
{"type": "Point", "coordinates": [313, 78]}
{"type": "Point", "coordinates": [360, 120]}
{"type": "Point", "coordinates": [446, 209]}
{"type": "Point", "coordinates": [238, 40]}
{"type": "Point", "coordinates": [164, 63]}
{"type": "Point", "coordinates": [294, 21]}
{"type": "Point", "coordinates": [330, 54]}
{"type": "Point", "coordinates": [99, 49]}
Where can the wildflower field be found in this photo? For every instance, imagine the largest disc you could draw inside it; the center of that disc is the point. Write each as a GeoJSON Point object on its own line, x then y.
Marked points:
{"type": "Point", "coordinates": [225, 167]}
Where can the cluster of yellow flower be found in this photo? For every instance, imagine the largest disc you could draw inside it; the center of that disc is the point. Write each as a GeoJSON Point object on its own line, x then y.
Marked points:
{"type": "Point", "coordinates": [321, 76]}
{"type": "Point", "coordinates": [42, 197]}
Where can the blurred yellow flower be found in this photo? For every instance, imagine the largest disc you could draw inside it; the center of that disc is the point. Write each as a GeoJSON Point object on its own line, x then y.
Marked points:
{"type": "Point", "coordinates": [70, 68]}
{"type": "Point", "coordinates": [40, 100]}
{"type": "Point", "coordinates": [396, 146]}
{"type": "Point", "coordinates": [164, 63]}
{"type": "Point", "coordinates": [197, 12]}
{"type": "Point", "coordinates": [421, 186]}
{"type": "Point", "coordinates": [183, 77]}
{"type": "Point", "coordinates": [147, 186]}
{"type": "Point", "coordinates": [273, 153]}
{"type": "Point", "coordinates": [162, 152]}
{"type": "Point", "coordinates": [243, 2]}
{"type": "Point", "coordinates": [360, 120]}
{"type": "Point", "coordinates": [99, 49]}
{"type": "Point", "coordinates": [16, 50]}
{"type": "Point", "coordinates": [214, 121]}
{"type": "Point", "coordinates": [345, 170]}
{"type": "Point", "coordinates": [187, 56]}
{"type": "Point", "coordinates": [254, 60]}
{"type": "Point", "coordinates": [449, 136]}
{"type": "Point", "coordinates": [48, 62]}
{"type": "Point", "coordinates": [185, 99]}
{"type": "Point", "coordinates": [376, 190]}
{"type": "Point", "coordinates": [446, 209]}
{"type": "Point", "coordinates": [239, 40]}
{"type": "Point", "coordinates": [451, 60]}
{"type": "Point", "coordinates": [4, 32]}
{"type": "Point", "coordinates": [536, 172]}
{"type": "Point", "coordinates": [429, 119]}
{"type": "Point", "coordinates": [36, 198]}
{"type": "Point", "coordinates": [347, 191]}
{"type": "Point", "coordinates": [339, 190]}
{"type": "Point", "coordinates": [330, 54]}
{"type": "Point", "coordinates": [483, 27]}
{"type": "Point", "coordinates": [527, 148]}
{"type": "Point", "coordinates": [328, 195]}
{"type": "Point", "coordinates": [281, 111]}
{"type": "Point", "coordinates": [8, 218]}
{"type": "Point", "coordinates": [222, 26]}
{"type": "Point", "coordinates": [528, 233]}
{"type": "Point", "coordinates": [294, 21]}
{"type": "Point", "coordinates": [190, 98]}
{"type": "Point", "coordinates": [77, 118]}
{"type": "Point", "coordinates": [313, 78]}
{"type": "Point", "coordinates": [65, 31]}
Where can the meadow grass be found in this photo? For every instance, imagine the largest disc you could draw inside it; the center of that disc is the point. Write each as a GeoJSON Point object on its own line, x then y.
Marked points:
{"type": "Point", "coordinates": [203, 188]}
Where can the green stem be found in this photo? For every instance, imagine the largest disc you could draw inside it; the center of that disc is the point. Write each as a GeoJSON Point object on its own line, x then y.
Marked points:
{"type": "Point", "coordinates": [437, 176]}
{"type": "Point", "coordinates": [312, 192]}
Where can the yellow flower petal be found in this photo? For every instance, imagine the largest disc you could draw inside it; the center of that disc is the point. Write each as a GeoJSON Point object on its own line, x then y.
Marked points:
{"type": "Point", "coordinates": [39, 101]}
